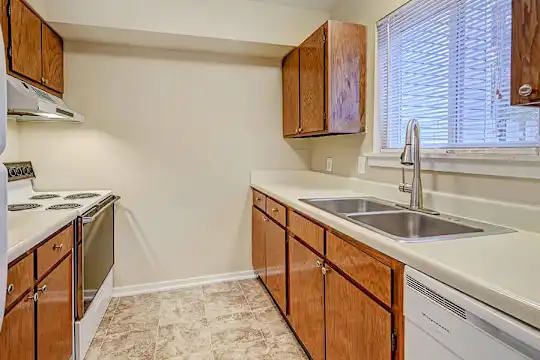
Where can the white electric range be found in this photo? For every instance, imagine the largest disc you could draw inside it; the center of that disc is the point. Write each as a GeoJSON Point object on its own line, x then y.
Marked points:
{"type": "Point", "coordinates": [93, 248]}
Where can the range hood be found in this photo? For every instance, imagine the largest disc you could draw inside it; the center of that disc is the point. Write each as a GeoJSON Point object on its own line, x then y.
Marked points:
{"type": "Point", "coordinates": [26, 102]}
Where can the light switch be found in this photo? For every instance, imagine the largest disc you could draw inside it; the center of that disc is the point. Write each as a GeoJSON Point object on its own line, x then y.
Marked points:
{"type": "Point", "coordinates": [329, 164]}
{"type": "Point", "coordinates": [361, 167]}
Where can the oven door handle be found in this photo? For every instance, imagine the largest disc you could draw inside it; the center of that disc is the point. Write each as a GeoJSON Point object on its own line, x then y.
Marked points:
{"type": "Point", "coordinates": [89, 219]}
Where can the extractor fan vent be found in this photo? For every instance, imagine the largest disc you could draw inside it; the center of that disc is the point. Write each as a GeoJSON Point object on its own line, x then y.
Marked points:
{"type": "Point", "coordinates": [42, 94]}
{"type": "Point", "coordinates": [434, 296]}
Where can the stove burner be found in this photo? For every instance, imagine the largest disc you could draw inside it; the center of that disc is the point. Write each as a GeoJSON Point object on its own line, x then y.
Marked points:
{"type": "Point", "coordinates": [44, 196]}
{"type": "Point", "coordinates": [81, 196]}
{"type": "Point", "coordinates": [21, 207]}
{"type": "Point", "coordinates": [64, 206]}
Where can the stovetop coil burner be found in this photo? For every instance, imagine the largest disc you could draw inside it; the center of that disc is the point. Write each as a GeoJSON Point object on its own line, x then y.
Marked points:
{"type": "Point", "coordinates": [44, 196]}
{"type": "Point", "coordinates": [64, 206]}
{"type": "Point", "coordinates": [81, 196]}
{"type": "Point", "coordinates": [21, 207]}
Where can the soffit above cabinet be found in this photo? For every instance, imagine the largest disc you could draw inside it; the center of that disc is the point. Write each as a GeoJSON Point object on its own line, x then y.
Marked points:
{"type": "Point", "coordinates": [253, 28]}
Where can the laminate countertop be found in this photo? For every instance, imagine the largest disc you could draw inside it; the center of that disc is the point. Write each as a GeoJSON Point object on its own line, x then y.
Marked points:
{"type": "Point", "coordinates": [27, 229]}
{"type": "Point", "coordinates": [499, 270]}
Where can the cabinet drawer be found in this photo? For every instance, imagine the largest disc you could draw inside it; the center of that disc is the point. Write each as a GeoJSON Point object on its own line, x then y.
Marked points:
{"type": "Point", "coordinates": [370, 273]}
{"type": "Point", "coordinates": [20, 278]}
{"type": "Point", "coordinates": [277, 211]}
{"type": "Point", "coordinates": [259, 200]}
{"type": "Point", "coordinates": [53, 250]}
{"type": "Point", "coordinates": [311, 233]}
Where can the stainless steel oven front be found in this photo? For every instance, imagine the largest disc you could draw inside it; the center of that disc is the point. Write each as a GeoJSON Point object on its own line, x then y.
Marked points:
{"type": "Point", "coordinates": [94, 252]}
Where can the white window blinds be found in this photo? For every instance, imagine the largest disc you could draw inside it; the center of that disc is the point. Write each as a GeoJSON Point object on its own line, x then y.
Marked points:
{"type": "Point", "coordinates": [447, 64]}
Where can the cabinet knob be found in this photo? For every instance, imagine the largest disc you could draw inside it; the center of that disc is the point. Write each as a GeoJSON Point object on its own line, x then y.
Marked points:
{"type": "Point", "coordinates": [525, 90]}
{"type": "Point", "coordinates": [274, 210]}
{"type": "Point", "coordinates": [34, 297]}
{"type": "Point", "coordinates": [258, 198]}
{"type": "Point", "coordinates": [300, 130]}
{"type": "Point", "coordinates": [10, 288]}
{"type": "Point", "coordinates": [58, 246]}
{"type": "Point", "coordinates": [325, 270]}
{"type": "Point", "coordinates": [42, 289]}
{"type": "Point", "coordinates": [265, 218]}
{"type": "Point", "coordinates": [318, 263]}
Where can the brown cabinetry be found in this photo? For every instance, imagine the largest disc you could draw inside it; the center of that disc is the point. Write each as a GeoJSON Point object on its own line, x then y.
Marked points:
{"type": "Point", "coordinates": [306, 296]}
{"type": "Point", "coordinates": [39, 312]}
{"type": "Point", "coordinates": [17, 335]}
{"type": "Point", "coordinates": [344, 299]}
{"type": "Point", "coordinates": [258, 247]}
{"type": "Point", "coordinates": [329, 95]}
{"type": "Point", "coordinates": [525, 52]}
{"type": "Point", "coordinates": [35, 51]}
{"type": "Point", "coordinates": [356, 326]}
{"type": "Point", "coordinates": [275, 262]}
{"type": "Point", "coordinates": [54, 314]}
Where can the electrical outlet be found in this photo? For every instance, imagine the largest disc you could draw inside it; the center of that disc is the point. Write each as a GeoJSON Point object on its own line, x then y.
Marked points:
{"type": "Point", "coordinates": [361, 165]}
{"type": "Point", "coordinates": [329, 164]}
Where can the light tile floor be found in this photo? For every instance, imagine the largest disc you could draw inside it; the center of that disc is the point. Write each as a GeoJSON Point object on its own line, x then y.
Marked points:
{"type": "Point", "coordinates": [225, 321]}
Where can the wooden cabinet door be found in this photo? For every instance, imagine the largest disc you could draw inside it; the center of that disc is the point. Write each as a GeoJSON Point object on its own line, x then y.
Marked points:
{"type": "Point", "coordinates": [53, 59]}
{"type": "Point", "coordinates": [291, 93]}
{"type": "Point", "coordinates": [258, 247]}
{"type": "Point", "coordinates": [54, 314]}
{"type": "Point", "coordinates": [525, 52]}
{"type": "Point", "coordinates": [306, 294]}
{"type": "Point", "coordinates": [17, 334]}
{"type": "Point", "coordinates": [312, 90]}
{"type": "Point", "coordinates": [356, 326]}
{"type": "Point", "coordinates": [276, 277]}
{"type": "Point", "coordinates": [25, 41]}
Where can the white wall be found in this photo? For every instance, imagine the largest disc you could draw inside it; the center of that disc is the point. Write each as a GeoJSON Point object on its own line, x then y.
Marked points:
{"type": "Point", "coordinates": [345, 149]}
{"type": "Point", "coordinates": [40, 6]}
{"type": "Point", "coordinates": [176, 135]}
{"type": "Point", "coordinates": [11, 152]}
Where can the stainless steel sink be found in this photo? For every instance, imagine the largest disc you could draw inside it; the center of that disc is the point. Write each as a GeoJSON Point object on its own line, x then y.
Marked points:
{"type": "Point", "coordinates": [402, 225]}
{"type": "Point", "coordinates": [351, 205]}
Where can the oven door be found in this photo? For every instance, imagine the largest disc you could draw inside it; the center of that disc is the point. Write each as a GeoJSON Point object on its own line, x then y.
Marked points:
{"type": "Point", "coordinates": [97, 249]}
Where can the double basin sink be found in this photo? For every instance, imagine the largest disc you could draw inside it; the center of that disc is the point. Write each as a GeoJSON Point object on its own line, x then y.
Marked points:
{"type": "Point", "coordinates": [403, 225]}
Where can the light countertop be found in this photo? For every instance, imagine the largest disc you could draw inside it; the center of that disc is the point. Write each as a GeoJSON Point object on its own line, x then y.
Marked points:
{"type": "Point", "coordinates": [499, 270]}
{"type": "Point", "coordinates": [27, 229]}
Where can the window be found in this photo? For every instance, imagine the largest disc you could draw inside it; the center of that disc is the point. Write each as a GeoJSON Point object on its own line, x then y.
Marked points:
{"type": "Point", "coordinates": [447, 64]}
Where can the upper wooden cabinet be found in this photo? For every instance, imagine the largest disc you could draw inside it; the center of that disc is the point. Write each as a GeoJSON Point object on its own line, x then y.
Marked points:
{"type": "Point", "coordinates": [525, 52]}
{"type": "Point", "coordinates": [53, 59]}
{"type": "Point", "coordinates": [324, 82]}
{"type": "Point", "coordinates": [35, 51]}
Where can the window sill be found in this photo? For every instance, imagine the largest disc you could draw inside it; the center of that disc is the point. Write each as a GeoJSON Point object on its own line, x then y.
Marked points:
{"type": "Point", "coordinates": [517, 166]}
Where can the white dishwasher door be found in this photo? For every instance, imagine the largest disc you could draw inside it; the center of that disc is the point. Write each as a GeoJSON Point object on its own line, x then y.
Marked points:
{"type": "Point", "coordinates": [444, 324]}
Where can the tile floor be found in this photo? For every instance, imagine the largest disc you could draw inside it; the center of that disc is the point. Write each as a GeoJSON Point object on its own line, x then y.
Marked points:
{"type": "Point", "coordinates": [225, 321]}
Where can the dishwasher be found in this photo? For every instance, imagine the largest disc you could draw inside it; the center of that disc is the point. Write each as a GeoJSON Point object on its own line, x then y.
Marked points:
{"type": "Point", "coordinates": [442, 323]}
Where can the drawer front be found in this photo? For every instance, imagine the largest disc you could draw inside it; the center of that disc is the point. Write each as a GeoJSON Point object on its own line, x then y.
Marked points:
{"type": "Point", "coordinates": [53, 250]}
{"type": "Point", "coordinates": [20, 277]}
{"type": "Point", "coordinates": [259, 200]}
{"type": "Point", "coordinates": [276, 211]}
{"type": "Point", "coordinates": [370, 273]}
{"type": "Point", "coordinates": [309, 232]}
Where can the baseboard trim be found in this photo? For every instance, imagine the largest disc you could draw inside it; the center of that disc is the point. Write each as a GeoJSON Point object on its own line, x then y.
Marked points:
{"type": "Point", "coordinates": [180, 283]}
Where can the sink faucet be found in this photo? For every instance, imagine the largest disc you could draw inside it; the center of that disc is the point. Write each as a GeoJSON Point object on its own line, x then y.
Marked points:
{"type": "Point", "coordinates": [415, 189]}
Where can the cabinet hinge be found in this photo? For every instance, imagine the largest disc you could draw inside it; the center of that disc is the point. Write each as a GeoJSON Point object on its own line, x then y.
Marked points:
{"type": "Point", "coordinates": [393, 340]}
{"type": "Point", "coordinates": [323, 37]}
{"type": "Point", "coordinates": [324, 115]}
{"type": "Point", "coordinates": [9, 10]}
{"type": "Point", "coordinates": [10, 52]}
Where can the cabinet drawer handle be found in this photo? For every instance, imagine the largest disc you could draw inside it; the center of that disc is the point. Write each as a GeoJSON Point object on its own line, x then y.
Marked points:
{"type": "Point", "coordinates": [10, 288]}
{"type": "Point", "coordinates": [274, 210]}
{"type": "Point", "coordinates": [43, 289]}
{"type": "Point", "coordinates": [34, 297]}
{"type": "Point", "coordinates": [258, 198]}
{"type": "Point", "coordinates": [525, 90]}
{"type": "Point", "coordinates": [58, 247]}
{"type": "Point", "coordinates": [265, 218]}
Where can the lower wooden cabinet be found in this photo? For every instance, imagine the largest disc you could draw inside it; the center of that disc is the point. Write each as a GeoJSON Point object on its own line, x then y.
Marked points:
{"type": "Point", "coordinates": [54, 314]}
{"type": "Point", "coordinates": [356, 326]}
{"type": "Point", "coordinates": [306, 296]}
{"type": "Point", "coordinates": [258, 247]}
{"type": "Point", "coordinates": [276, 276]}
{"type": "Point", "coordinates": [17, 334]}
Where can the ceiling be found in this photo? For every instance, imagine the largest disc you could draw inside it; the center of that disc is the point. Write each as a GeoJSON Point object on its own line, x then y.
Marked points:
{"type": "Point", "coordinates": [326, 5]}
